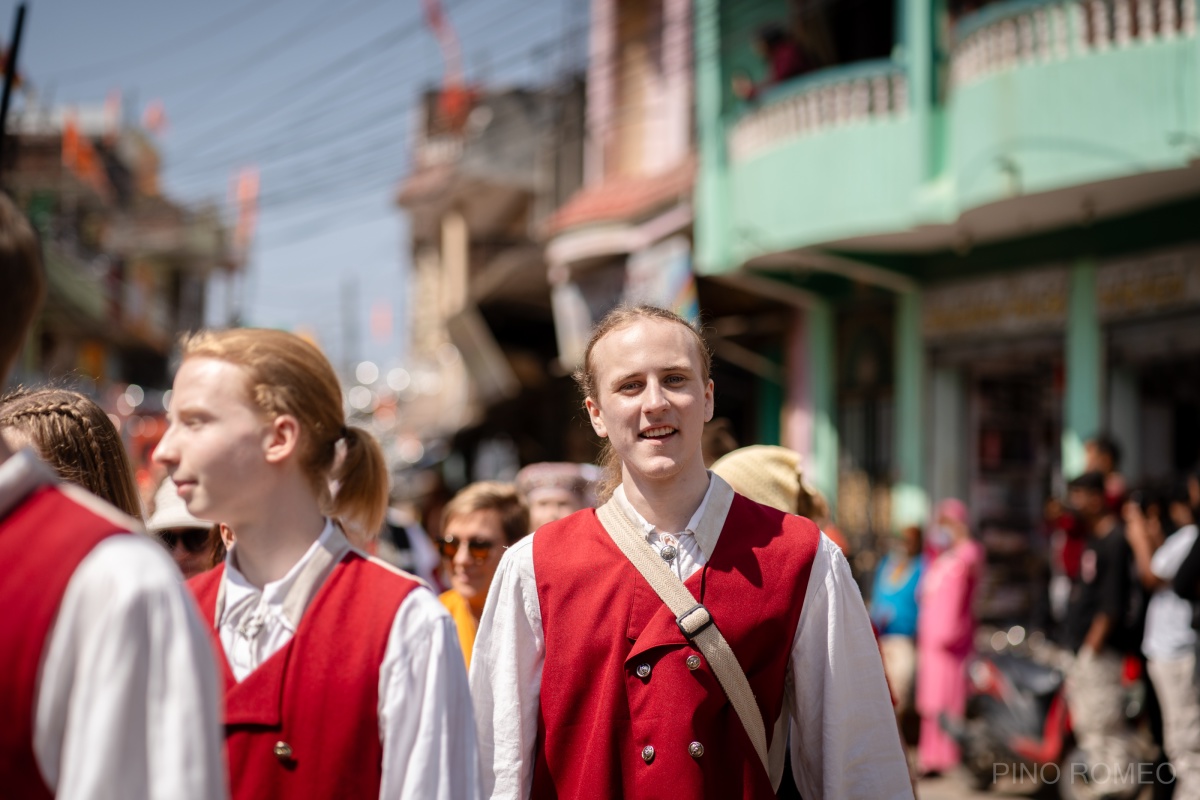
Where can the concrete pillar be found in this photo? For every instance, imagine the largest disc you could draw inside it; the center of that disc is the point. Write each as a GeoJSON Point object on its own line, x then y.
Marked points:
{"type": "Point", "coordinates": [712, 227]}
{"type": "Point", "coordinates": [1124, 409]}
{"type": "Point", "coordinates": [948, 433]}
{"type": "Point", "coordinates": [1084, 368]}
{"type": "Point", "coordinates": [820, 377]}
{"type": "Point", "coordinates": [455, 263]}
{"type": "Point", "coordinates": [909, 499]}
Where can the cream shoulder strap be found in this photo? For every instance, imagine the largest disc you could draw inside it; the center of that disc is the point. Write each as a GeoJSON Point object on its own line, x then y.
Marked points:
{"type": "Point", "coordinates": [693, 620]}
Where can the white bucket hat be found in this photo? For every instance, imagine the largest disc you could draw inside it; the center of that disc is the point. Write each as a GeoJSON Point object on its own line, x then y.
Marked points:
{"type": "Point", "coordinates": [171, 512]}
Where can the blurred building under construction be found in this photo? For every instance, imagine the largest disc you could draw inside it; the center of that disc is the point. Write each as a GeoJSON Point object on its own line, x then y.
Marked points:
{"type": "Point", "coordinates": [126, 267]}
{"type": "Point", "coordinates": [935, 245]}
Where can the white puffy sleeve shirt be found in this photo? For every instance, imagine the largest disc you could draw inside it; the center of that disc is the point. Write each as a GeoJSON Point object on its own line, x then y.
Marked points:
{"type": "Point", "coordinates": [426, 724]}
{"type": "Point", "coordinates": [844, 740]}
{"type": "Point", "coordinates": [127, 701]}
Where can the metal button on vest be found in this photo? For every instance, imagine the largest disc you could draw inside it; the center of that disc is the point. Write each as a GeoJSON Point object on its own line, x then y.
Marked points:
{"type": "Point", "coordinates": [283, 751]}
{"type": "Point", "coordinates": [695, 749]}
{"type": "Point", "coordinates": [693, 662]}
{"type": "Point", "coordinates": [648, 753]}
{"type": "Point", "coordinates": [668, 554]}
{"type": "Point", "coordinates": [643, 671]}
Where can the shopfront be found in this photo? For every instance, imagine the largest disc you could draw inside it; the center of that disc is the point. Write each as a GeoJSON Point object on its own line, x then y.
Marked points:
{"type": "Point", "coordinates": [995, 350]}
{"type": "Point", "coordinates": [1149, 306]}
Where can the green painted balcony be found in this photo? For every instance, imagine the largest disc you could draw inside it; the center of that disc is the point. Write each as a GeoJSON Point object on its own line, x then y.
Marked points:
{"type": "Point", "coordinates": [1025, 116]}
{"type": "Point", "coordinates": [1047, 96]}
{"type": "Point", "coordinates": [800, 158]}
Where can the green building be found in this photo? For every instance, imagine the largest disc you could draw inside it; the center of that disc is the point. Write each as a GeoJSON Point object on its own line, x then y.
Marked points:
{"type": "Point", "coordinates": [987, 219]}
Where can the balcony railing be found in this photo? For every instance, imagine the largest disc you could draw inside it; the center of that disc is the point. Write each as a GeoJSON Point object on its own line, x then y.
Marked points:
{"type": "Point", "coordinates": [831, 98]}
{"type": "Point", "coordinates": [1007, 35]}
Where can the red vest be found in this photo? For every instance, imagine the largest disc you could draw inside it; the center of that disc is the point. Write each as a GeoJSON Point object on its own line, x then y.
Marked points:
{"type": "Point", "coordinates": [42, 541]}
{"type": "Point", "coordinates": [305, 724]}
{"type": "Point", "coordinates": [616, 678]}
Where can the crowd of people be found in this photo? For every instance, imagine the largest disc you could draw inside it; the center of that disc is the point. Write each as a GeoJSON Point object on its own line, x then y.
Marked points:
{"type": "Point", "coordinates": [666, 623]}
{"type": "Point", "coordinates": [650, 632]}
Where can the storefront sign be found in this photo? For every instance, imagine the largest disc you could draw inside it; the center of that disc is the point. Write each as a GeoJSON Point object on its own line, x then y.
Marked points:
{"type": "Point", "coordinates": [1024, 303]}
{"type": "Point", "coordinates": [1148, 285]}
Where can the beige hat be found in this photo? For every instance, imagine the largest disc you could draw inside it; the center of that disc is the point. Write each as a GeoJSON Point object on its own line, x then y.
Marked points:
{"type": "Point", "coordinates": [766, 474]}
{"type": "Point", "coordinates": [170, 511]}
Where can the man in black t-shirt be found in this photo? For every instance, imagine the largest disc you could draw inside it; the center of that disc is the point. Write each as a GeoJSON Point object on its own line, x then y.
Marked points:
{"type": "Point", "coordinates": [1098, 629]}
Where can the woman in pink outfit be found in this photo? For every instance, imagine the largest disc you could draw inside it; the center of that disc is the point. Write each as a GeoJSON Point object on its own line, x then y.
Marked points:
{"type": "Point", "coordinates": [945, 632]}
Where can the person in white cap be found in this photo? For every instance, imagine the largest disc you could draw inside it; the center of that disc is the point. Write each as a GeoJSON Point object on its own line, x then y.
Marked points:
{"type": "Point", "coordinates": [189, 540]}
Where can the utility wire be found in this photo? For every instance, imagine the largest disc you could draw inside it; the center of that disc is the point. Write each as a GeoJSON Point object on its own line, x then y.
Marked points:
{"type": "Point", "coordinates": [226, 78]}
{"type": "Point", "coordinates": [96, 70]}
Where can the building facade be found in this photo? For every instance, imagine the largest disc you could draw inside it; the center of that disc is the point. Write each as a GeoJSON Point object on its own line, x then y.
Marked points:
{"type": "Point", "coordinates": [988, 224]}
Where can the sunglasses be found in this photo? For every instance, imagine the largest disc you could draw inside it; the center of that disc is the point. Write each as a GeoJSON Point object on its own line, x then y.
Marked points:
{"type": "Point", "coordinates": [478, 549]}
{"type": "Point", "coordinates": [195, 540]}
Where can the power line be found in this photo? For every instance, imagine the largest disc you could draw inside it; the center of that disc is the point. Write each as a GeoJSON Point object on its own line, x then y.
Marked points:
{"type": "Point", "coordinates": [284, 42]}
{"type": "Point", "coordinates": [95, 70]}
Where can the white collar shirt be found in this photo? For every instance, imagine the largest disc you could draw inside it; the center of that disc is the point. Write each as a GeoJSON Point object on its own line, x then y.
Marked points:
{"type": "Point", "coordinates": [691, 548]}
{"type": "Point", "coordinates": [426, 723]}
{"type": "Point", "coordinates": [127, 701]}
{"type": "Point", "coordinates": [843, 738]}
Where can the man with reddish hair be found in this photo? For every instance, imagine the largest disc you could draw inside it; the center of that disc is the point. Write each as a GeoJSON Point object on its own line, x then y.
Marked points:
{"type": "Point", "coordinates": [107, 683]}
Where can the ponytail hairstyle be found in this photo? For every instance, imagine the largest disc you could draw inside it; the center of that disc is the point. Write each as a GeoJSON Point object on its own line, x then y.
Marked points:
{"type": "Point", "coordinates": [77, 439]}
{"type": "Point", "coordinates": [585, 375]}
{"type": "Point", "coordinates": [287, 375]}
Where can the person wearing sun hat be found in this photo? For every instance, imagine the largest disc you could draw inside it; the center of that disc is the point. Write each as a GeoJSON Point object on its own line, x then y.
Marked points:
{"type": "Point", "coordinates": [188, 539]}
{"type": "Point", "coordinates": [771, 475]}
{"type": "Point", "coordinates": [552, 490]}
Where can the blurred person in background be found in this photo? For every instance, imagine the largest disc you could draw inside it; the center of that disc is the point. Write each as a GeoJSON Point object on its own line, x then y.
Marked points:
{"type": "Point", "coordinates": [74, 436]}
{"type": "Point", "coordinates": [1098, 631]}
{"type": "Point", "coordinates": [1161, 534]}
{"type": "Point", "coordinates": [771, 475]}
{"type": "Point", "coordinates": [945, 631]}
{"type": "Point", "coordinates": [552, 490]}
{"type": "Point", "coordinates": [343, 675]}
{"type": "Point", "coordinates": [783, 56]}
{"type": "Point", "coordinates": [894, 613]}
{"type": "Point", "coordinates": [404, 543]}
{"type": "Point", "coordinates": [479, 523]}
{"type": "Point", "coordinates": [107, 681]}
{"type": "Point", "coordinates": [1102, 454]}
{"type": "Point", "coordinates": [189, 540]}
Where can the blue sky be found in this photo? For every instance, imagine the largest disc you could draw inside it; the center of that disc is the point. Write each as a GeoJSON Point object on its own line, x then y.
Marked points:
{"type": "Point", "coordinates": [316, 93]}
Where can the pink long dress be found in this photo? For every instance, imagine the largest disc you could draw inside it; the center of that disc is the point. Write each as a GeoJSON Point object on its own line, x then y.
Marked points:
{"type": "Point", "coordinates": [945, 631]}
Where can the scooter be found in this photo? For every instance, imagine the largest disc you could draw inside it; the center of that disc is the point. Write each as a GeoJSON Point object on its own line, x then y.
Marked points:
{"type": "Point", "coordinates": [1017, 726]}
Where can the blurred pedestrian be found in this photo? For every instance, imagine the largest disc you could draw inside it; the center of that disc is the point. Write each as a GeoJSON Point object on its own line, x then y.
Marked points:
{"type": "Point", "coordinates": [945, 632]}
{"type": "Point", "coordinates": [782, 55]}
{"type": "Point", "coordinates": [74, 436]}
{"type": "Point", "coordinates": [552, 490]}
{"type": "Point", "coordinates": [107, 681]}
{"type": "Point", "coordinates": [646, 648]}
{"type": "Point", "coordinates": [1102, 454]}
{"type": "Point", "coordinates": [479, 523]}
{"type": "Point", "coordinates": [1098, 631]}
{"type": "Point", "coordinates": [189, 540]}
{"type": "Point", "coordinates": [1169, 642]}
{"type": "Point", "coordinates": [894, 613]}
{"type": "Point", "coordinates": [346, 670]}
{"type": "Point", "coordinates": [771, 475]}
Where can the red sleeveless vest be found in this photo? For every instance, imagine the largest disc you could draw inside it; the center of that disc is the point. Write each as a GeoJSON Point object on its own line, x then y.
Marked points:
{"type": "Point", "coordinates": [305, 724]}
{"type": "Point", "coordinates": [42, 541]}
{"type": "Point", "coordinates": [616, 679]}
